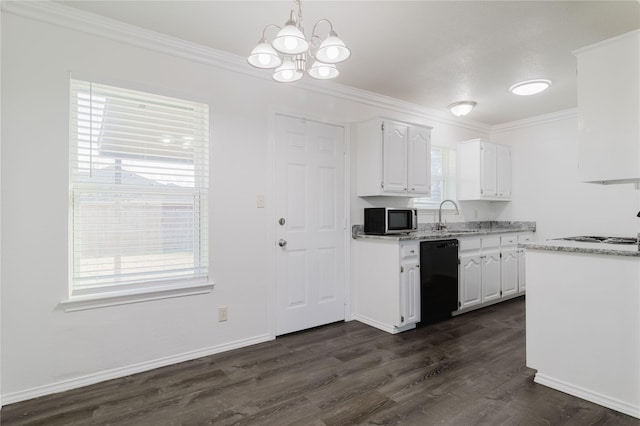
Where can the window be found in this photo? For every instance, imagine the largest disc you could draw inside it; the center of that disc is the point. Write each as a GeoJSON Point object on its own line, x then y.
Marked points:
{"type": "Point", "coordinates": [443, 178]}
{"type": "Point", "coordinates": [138, 192]}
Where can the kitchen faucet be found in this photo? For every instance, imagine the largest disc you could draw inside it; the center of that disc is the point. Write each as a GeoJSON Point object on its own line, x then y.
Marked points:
{"type": "Point", "coordinates": [440, 226]}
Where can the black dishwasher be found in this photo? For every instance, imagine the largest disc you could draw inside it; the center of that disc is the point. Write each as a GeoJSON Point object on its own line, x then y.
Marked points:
{"type": "Point", "coordinates": [438, 280]}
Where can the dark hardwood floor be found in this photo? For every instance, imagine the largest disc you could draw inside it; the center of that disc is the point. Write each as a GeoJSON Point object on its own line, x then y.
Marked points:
{"type": "Point", "coordinates": [469, 370]}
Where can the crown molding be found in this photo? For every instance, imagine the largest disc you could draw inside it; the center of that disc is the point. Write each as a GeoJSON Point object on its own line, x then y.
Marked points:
{"type": "Point", "coordinates": [74, 19]}
{"type": "Point", "coordinates": [535, 121]}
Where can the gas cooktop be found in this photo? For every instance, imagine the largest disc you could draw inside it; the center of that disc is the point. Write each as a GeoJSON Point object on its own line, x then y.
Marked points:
{"type": "Point", "coordinates": [605, 240]}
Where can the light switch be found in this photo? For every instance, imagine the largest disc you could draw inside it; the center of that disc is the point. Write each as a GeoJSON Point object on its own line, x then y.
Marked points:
{"type": "Point", "coordinates": [260, 201]}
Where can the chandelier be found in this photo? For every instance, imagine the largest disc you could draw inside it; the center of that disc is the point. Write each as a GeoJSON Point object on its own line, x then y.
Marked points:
{"type": "Point", "coordinates": [290, 52]}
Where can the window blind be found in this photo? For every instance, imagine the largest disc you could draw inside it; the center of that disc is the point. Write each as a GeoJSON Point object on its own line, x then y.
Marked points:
{"type": "Point", "coordinates": [139, 190]}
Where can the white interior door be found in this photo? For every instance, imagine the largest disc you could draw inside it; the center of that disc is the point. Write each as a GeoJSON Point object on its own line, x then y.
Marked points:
{"type": "Point", "coordinates": [310, 223]}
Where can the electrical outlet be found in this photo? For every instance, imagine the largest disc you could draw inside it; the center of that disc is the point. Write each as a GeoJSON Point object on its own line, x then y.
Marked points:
{"type": "Point", "coordinates": [222, 313]}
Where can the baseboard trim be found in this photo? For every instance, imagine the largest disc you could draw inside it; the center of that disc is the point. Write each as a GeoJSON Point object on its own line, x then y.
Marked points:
{"type": "Point", "coordinates": [382, 326]}
{"type": "Point", "coordinates": [595, 397]}
{"type": "Point", "coordinates": [117, 373]}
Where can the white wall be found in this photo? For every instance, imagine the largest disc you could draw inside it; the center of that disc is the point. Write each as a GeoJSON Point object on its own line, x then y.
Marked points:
{"type": "Point", "coordinates": [546, 187]}
{"type": "Point", "coordinates": [45, 349]}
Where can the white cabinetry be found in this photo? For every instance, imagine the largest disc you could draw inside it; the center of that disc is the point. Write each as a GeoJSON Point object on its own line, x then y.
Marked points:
{"type": "Point", "coordinates": [509, 265]}
{"type": "Point", "coordinates": [522, 264]}
{"type": "Point", "coordinates": [394, 158]}
{"type": "Point", "coordinates": [387, 284]}
{"type": "Point", "coordinates": [491, 269]}
{"type": "Point", "coordinates": [409, 283]}
{"type": "Point", "coordinates": [490, 260]}
{"type": "Point", "coordinates": [608, 110]}
{"type": "Point", "coordinates": [469, 273]}
{"type": "Point", "coordinates": [483, 171]}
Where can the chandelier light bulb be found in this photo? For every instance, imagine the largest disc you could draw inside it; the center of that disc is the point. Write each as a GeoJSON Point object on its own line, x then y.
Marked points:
{"type": "Point", "coordinates": [264, 59]}
{"type": "Point", "coordinates": [332, 50]}
{"type": "Point", "coordinates": [291, 43]}
{"type": "Point", "coordinates": [287, 72]}
{"type": "Point", "coordinates": [264, 56]}
{"type": "Point", "coordinates": [290, 40]}
{"type": "Point", "coordinates": [323, 71]}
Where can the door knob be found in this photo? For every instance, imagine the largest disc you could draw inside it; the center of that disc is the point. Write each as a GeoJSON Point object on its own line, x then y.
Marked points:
{"type": "Point", "coordinates": [282, 242]}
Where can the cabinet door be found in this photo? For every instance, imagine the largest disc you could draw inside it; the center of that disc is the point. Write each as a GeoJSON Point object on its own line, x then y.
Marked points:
{"type": "Point", "coordinates": [503, 172]}
{"type": "Point", "coordinates": [470, 280]}
{"type": "Point", "coordinates": [509, 271]}
{"type": "Point", "coordinates": [419, 161]}
{"type": "Point", "coordinates": [522, 284]}
{"type": "Point", "coordinates": [409, 293]}
{"type": "Point", "coordinates": [394, 161]}
{"type": "Point", "coordinates": [488, 170]}
{"type": "Point", "coordinates": [490, 275]}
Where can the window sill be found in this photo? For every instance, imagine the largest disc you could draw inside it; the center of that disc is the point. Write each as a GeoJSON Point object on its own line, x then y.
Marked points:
{"type": "Point", "coordinates": [82, 303]}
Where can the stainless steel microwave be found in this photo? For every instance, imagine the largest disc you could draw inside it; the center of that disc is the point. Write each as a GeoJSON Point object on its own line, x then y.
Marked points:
{"type": "Point", "coordinates": [389, 220]}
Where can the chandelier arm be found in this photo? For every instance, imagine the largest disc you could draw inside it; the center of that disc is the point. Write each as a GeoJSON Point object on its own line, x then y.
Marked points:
{"type": "Point", "coordinates": [313, 32]}
{"type": "Point", "coordinates": [264, 31]}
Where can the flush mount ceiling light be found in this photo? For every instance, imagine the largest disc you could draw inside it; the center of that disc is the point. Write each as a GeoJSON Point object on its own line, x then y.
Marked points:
{"type": "Point", "coordinates": [290, 51]}
{"type": "Point", "coordinates": [461, 108]}
{"type": "Point", "coordinates": [530, 87]}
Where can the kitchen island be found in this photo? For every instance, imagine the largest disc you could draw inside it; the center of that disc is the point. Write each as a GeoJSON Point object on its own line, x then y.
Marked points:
{"type": "Point", "coordinates": [583, 320]}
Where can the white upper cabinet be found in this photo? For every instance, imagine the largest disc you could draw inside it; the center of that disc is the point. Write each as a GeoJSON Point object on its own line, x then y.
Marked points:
{"type": "Point", "coordinates": [419, 161]}
{"type": "Point", "coordinates": [609, 110]}
{"type": "Point", "coordinates": [483, 171]}
{"type": "Point", "coordinates": [394, 158]}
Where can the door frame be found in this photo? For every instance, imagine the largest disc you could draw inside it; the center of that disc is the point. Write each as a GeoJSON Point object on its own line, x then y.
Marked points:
{"type": "Point", "coordinates": [271, 211]}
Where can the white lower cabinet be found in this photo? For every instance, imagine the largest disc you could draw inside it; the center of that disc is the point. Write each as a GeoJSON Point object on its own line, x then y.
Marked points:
{"type": "Point", "coordinates": [490, 260]}
{"type": "Point", "coordinates": [470, 280]}
{"type": "Point", "coordinates": [509, 264]}
{"type": "Point", "coordinates": [522, 265]}
{"type": "Point", "coordinates": [491, 269]}
{"type": "Point", "coordinates": [387, 284]}
{"type": "Point", "coordinates": [409, 290]}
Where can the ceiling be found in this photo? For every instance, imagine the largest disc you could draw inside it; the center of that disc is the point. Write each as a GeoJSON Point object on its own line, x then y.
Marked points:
{"type": "Point", "coordinates": [429, 53]}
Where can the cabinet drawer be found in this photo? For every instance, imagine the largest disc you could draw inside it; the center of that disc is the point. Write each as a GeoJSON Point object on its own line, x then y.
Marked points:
{"type": "Point", "coordinates": [465, 244]}
{"type": "Point", "coordinates": [525, 238]}
{"type": "Point", "coordinates": [508, 240]}
{"type": "Point", "coordinates": [409, 250]}
{"type": "Point", "coordinates": [490, 242]}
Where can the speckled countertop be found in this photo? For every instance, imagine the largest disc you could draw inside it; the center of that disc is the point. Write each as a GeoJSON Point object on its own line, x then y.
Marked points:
{"type": "Point", "coordinates": [582, 247]}
{"type": "Point", "coordinates": [427, 231]}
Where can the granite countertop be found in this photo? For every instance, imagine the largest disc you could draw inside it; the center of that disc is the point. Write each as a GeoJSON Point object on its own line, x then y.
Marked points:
{"type": "Point", "coordinates": [427, 231]}
{"type": "Point", "coordinates": [582, 247]}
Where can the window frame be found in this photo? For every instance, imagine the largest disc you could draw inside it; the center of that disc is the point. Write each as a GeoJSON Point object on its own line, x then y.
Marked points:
{"type": "Point", "coordinates": [448, 181]}
{"type": "Point", "coordinates": [150, 289]}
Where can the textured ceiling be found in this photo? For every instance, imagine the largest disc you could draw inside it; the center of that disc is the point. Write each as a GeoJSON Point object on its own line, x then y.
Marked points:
{"type": "Point", "coordinates": [429, 53]}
